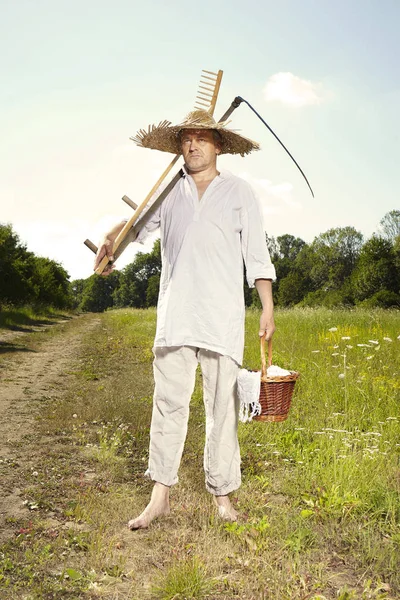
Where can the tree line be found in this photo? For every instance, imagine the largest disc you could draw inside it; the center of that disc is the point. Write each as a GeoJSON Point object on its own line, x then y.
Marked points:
{"type": "Point", "coordinates": [27, 279]}
{"type": "Point", "coordinates": [339, 268]}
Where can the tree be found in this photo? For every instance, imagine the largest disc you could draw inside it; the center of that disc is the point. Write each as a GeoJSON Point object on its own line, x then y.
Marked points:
{"type": "Point", "coordinates": [98, 292]}
{"type": "Point", "coordinates": [16, 269]}
{"type": "Point", "coordinates": [335, 255]}
{"type": "Point", "coordinates": [153, 288]}
{"type": "Point", "coordinates": [50, 281]}
{"type": "Point", "coordinates": [135, 279]}
{"type": "Point", "coordinates": [390, 225]}
{"type": "Point", "coordinates": [289, 246]}
{"type": "Point", "coordinates": [376, 276]}
{"type": "Point", "coordinates": [292, 289]}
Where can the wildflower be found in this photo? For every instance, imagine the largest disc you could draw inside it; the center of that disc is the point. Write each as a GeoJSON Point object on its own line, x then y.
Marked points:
{"type": "Point", "coordinates": [35, 473]}
{"type": "Point", "coordinates": [319, 432]}
{"type": "Point", "coordinates": [341, 375]}
{"type": "Point", "coordinates": [335, 353]}
{"type": "Point", "coordinates": [373, 341]}
{"type": "Point", "coordinates": [391, 418]}
{"type": "Point", "coordinates": [315, 351]}
{"type": "Point", "coordinates": [336, 346]}
{"type": "Point", "coordinates": [334, 329]}
{"type": "Point", "coordinates": [74, 416]}
{"type": "Point", "coordinates": [388, 339]}
{"type": "Point", "coordinates": [346, 337]}
{"type": "Point", "coordinates": [369, 357]}
{"type": "Point", "coordinates": [348, 346]}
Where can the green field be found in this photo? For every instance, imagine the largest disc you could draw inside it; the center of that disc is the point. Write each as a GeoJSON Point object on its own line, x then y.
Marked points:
{"type": "Point", "coordinates": [319, 504]}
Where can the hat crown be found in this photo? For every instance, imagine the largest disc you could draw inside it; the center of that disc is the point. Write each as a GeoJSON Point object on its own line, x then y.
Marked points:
{"type": "Point", "coordinates": [199, 117]}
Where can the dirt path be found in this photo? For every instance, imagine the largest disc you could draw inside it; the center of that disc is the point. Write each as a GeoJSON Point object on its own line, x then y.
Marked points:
{"type": "Point", "coordinates": [32, 370]}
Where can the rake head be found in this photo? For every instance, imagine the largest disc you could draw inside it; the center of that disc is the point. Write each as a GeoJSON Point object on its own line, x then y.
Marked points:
{"type": "Point", "coordinates": [207, 92]}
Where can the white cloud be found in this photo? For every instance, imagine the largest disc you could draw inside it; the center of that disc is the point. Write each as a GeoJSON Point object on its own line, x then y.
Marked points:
{"type": "Point", "coordinates": [292, 90]}
{"type": "Point", "coordinates": [276, 199]}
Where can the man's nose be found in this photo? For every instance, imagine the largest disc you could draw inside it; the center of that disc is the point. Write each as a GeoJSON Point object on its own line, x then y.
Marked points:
{"type": "Point", "coordinates": [193, 145]}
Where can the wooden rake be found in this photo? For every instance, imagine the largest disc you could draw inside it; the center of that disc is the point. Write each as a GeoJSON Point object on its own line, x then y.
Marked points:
{"type": "Point", "coordinates": [206, 99]}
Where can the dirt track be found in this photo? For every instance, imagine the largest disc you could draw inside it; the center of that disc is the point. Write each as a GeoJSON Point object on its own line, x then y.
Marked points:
{"type": "Point", "coordinates": [33, 370]}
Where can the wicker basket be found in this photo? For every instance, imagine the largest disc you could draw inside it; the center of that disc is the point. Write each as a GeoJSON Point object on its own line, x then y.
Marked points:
{"type": "Point", "coordinates": [275, 392]}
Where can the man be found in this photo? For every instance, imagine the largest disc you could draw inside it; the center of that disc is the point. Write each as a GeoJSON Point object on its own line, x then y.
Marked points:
{"type": "Point", "coordinates": [210, 223]}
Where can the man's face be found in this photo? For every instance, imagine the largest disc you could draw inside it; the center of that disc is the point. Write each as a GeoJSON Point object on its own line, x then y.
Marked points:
{"type": "Point", "coordinates": [199, 149]}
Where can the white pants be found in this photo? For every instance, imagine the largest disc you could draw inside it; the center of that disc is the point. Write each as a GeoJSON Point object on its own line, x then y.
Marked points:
{"type": "Point", "coordinates": [174, 376]}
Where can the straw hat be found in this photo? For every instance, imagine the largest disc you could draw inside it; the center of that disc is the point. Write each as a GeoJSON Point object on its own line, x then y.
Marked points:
{"type": "Point", "coordinates": [165, 136]}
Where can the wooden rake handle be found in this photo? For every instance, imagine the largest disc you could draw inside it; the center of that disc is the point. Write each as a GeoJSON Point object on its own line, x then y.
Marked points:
{"type": "Point", "coordinates": [263, 358]}
{"type": "Point", "coordinates": [130, 223]}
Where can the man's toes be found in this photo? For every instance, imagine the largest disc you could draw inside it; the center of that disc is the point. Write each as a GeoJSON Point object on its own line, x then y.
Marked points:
{"type": "Point", "coordinates": [139, 523]}
{"type": "Point", "coordinates": [226, 514]}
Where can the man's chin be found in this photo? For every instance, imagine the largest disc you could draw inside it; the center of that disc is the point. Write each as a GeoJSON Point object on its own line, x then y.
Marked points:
{"type": "Point", "coordinates": [194, 166]}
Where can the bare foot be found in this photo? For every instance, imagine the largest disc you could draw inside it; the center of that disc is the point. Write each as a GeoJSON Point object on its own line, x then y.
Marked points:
{"type": "Point", "coordinates": [158, 506]}
{"type": "Point", "coordinates": [225, 508]}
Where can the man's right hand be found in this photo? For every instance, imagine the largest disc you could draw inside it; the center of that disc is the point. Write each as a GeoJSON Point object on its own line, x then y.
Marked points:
{"type": "Point", "coordinates": [106, 249]}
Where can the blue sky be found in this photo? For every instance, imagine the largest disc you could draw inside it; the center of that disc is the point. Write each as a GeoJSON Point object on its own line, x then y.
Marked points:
{"type": "Point", "coordinates": [79, 78]}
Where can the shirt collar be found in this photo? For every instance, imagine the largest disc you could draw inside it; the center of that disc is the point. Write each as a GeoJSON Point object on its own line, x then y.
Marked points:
{"type": "Point", "coordinates": [223, 174]}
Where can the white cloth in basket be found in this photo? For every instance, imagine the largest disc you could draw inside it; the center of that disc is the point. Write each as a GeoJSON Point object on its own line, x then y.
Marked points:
{"type": "Point", "coordinates": [275, 371]}
{"type": "Point", "coordinates": [248, 389]}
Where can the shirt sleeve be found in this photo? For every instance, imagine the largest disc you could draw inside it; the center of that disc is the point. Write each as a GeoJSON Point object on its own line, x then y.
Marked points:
{"type": "Point", "coordinates": [147, 224]}
{"type": "Point", "coordinates": [254, 245]}
{"type": "Point", "coordinates": [149, 220]}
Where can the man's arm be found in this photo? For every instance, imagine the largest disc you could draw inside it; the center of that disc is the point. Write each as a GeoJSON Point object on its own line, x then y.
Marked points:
{"type": "Point", "coordinates": [267, 325]}
{"type": "Point", "coordinates": [106, 247]}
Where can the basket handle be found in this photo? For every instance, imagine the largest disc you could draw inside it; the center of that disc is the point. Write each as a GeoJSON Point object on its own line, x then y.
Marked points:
{"type": "Point", "coordinates": [263, 359]}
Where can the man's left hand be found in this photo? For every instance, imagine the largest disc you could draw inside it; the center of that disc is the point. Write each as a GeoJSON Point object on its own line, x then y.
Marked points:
{"type": "Point", "coordinates": [267, 325]}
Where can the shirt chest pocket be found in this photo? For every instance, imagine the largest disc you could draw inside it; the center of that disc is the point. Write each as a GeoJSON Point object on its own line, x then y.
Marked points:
{"type": "Point", "coordinates": [227, 220]}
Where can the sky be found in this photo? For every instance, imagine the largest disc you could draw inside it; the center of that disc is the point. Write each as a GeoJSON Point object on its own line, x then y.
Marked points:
{"type": "Point", "coordinates": [79, 78]}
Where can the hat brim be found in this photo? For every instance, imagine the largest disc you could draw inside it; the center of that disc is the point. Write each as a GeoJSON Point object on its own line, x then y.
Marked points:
{"type": "Point", "coordinates": [165, 137]}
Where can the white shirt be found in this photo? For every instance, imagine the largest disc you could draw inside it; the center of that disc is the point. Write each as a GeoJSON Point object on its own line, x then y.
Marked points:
{"type": "Point", "coordinates": [203, 245]}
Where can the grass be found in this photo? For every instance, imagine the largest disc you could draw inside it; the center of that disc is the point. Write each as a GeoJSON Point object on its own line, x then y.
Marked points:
{"type": "Point", "coordinates": [23, 318]}
{"type": "Point", "coordinates": [319, 504]}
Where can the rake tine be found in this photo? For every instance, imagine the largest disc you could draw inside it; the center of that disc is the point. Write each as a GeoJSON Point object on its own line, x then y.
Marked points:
{"type": "Point", "coordinates": [205, 94]}
{"type": "Point", "coordinates": [209, 78]}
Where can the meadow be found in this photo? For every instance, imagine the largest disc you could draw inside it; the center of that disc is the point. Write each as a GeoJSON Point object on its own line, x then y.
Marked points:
{"type": "Point", "coordinates": [319, 504]}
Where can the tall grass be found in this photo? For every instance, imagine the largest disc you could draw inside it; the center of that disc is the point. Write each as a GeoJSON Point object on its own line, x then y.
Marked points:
{"type": "Point", "coordinates": [27, 316]}
{"type": "Point", "coordinates": [319, 504]}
